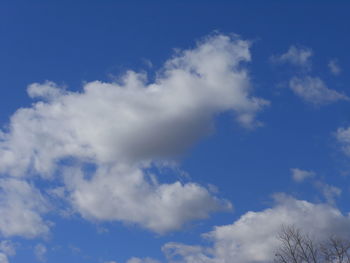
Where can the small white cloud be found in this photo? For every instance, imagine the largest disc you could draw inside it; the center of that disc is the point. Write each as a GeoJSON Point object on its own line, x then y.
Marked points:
{"type": "Point", "coordinates": [334, 67]}
{"type": "Point", "coordinates": [148, 63]}
{"type": "Point", "coordinates": [40, 251]}
{"type": "Point", "coordinates": [343, 137]}
{"type": "Point", "coordinates": [299, 175]}
{"type": "Point", "coordinates": [142, 260]}
{"type": "Point", "coordinates": [297, 56]}
{"type": "Point", "coordinates": [313, 90]}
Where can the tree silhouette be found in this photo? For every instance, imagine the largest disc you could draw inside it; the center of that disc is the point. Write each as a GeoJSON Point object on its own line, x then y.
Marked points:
{"type": "Point", "coordinates": [298, 247]}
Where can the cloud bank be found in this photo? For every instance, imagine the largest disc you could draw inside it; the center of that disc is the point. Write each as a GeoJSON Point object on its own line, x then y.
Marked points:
{"type": "Point", "coordinates": [98, 144]}
{"type": "Point", "coordinates": [253, 237]}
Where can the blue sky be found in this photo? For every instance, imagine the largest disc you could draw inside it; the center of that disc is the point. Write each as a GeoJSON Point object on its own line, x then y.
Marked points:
{"type": "Point", "coordinates": [171, 131]}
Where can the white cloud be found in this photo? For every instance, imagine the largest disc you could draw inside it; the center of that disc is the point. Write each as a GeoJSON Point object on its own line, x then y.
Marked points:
{"type": "Point", "coordinates": [3, 258]}
{"type": "Point", "coordinates": [300, 175]}
{"type": "Point", "coordinates": [121, 193]}
{"type": "Point", "coordinates": [133, 121]}
{"type": "Point", "coordinates": [297, 56]}
{"type": "Point", "coordinates": [127, 126]}
{"type": "Point", "coordinates": [334, 67]}
{"type": "Point", "coordinates": [48, 91]}
{"type": "Point", "coordinates": [40, 251]}
{"type": "Point", "coordinates": [252, 238]}
{"type": "Point", "coordinates": [343, 137]}
{"type": "Point", "coordinates": [314, 90]}
{"type": "Point", "coordinates": [311, 89]}
{"type": "Point", "coordinates": [8, 247]}
{"type": "Point", "coordinates": [21, 207]}
{"type": "Point", "coordinates": [329, 192]}
{"type": "Point", "coordinates": [142, 260]}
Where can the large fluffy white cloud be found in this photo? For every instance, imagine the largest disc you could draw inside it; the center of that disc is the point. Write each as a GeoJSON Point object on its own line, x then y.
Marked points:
{"type": "Point", "coordinates": [124, 127]}
{"type": "Point", "coordinates": [253, 237]}
{"type": "Point", "coordinates": [132, 120]}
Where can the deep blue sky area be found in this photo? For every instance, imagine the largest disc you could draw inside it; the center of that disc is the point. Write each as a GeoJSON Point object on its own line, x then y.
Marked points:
{"type": "Point", "coordinates": [75, 42]}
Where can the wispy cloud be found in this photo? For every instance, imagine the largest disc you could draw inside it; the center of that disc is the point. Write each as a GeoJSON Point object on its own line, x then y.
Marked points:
{"type": "Point", "coordinates": [334, 67]}
{"type": "Point", "coordinates": [343, 137]}
{"type": "Point", "coordinates": [297, 56]}
{"type": "Point", "coordinates": [40, 251]}
{"type": "Point", "coordinates": [142, 260]}
{"type": "Point", "coordinates": [7, 249]}
{"type": "Point", "coordinates": [313, 90]}
{"type": "Point", "coordinates": [300, 175]}
{"type": "Point", "coordinates": [329, 192]}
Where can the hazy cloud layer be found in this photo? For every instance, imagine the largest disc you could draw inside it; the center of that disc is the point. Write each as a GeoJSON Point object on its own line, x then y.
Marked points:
{"type": "Point", "coordinates": [121, 129]}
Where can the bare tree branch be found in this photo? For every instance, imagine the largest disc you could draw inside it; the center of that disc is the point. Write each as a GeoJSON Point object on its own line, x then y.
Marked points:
{"type": "Point", "coordinates": [297, 247]}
